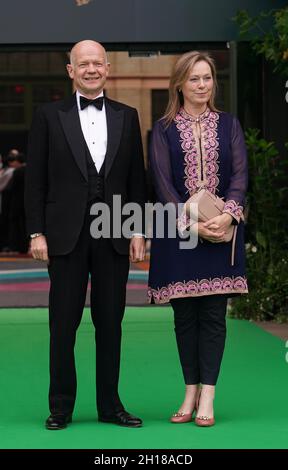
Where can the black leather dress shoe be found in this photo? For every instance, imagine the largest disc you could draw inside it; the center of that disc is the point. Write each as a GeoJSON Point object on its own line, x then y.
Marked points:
{"type": "Point", "coordinates": [59, 421]}
{"type": "Point", "coordinates": [123, 418]}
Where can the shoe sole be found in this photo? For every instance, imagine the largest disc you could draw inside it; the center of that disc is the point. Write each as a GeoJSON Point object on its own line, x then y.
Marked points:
{"type": "Point", "coordinates": [181, 422]}
{"type": "Point", "coordinates": [55, 429]}
{"type": "Point", "coordinates": [202, 425]}
{"type": "Point", "coordinates": [119, 424]}
{"type": "Point", "coordinates": [59, 428]}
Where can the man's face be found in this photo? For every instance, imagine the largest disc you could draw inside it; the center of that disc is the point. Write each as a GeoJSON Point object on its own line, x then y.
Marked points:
{"type": "Point", "coordinates": [89, 68]}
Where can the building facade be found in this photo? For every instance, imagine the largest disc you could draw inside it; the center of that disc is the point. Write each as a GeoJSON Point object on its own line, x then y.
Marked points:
{"type": "Point", "coordinates": [143, 40]}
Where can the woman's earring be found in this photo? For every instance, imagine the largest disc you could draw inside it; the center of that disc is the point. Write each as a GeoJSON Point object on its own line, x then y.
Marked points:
{"type": "Point", "coordinates": [179, 89]}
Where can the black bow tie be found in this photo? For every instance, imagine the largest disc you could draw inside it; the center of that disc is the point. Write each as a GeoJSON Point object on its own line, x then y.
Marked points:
{"type": "Point", "coordinates": [98, 102]}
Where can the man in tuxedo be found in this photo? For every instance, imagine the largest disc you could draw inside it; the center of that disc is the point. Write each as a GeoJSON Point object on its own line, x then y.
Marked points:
{"type": "Point", "coordinates": [83, 150]}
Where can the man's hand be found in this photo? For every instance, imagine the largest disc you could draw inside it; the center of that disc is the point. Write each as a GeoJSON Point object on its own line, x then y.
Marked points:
{"type": "Point", "coordinates": [39, 248]}
{"type": "Point", "coordinates": [137, 249]}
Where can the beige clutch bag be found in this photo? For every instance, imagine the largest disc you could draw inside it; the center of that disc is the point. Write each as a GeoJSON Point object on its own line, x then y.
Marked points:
{"type": "Point", "coordinates": [210, 206]}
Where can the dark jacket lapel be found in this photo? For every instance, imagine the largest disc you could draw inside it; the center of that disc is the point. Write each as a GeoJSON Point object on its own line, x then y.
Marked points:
{"type": "Point", "coordinates": [114, 117]}
{"type": "Point", "coordinates": [69, 118]}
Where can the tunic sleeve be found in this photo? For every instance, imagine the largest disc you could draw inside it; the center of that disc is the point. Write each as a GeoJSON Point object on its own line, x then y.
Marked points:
{"type": "Point", "coordinates": [235, 194]}
{"type": "Point", "coordinates": [162, 173]}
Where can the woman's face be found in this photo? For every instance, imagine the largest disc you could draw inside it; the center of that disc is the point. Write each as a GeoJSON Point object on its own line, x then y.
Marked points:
{"type": "Point", "coordinates": [198, 87]}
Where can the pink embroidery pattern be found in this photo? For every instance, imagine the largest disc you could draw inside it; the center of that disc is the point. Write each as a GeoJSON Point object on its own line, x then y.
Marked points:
{"type": "Point", "coordinates": [226, 285]}
{"type": "Point", "coordinates": [183, 222]}
{"type": "Point", "coordinates": [209, 123]}
{"type": "Point", "coordinates": [233, 208]}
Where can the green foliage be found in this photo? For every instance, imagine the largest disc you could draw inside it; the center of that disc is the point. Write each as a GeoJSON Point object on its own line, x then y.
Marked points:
{"type": "Point", "coordinates": [266, 233]}
{"type": "Point", "coordinates": [269, 40]}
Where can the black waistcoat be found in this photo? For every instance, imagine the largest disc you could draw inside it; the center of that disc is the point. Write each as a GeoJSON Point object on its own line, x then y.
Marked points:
{"type": "Point", "coordinates": [95, 180]}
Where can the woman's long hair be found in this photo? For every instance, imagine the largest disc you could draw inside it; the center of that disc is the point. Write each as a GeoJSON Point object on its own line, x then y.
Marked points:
{"type": "Point", "coordinates": [180, 74]}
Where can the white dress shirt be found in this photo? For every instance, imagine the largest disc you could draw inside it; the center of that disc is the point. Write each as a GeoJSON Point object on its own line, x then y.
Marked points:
{"type": "Point", "coordinates": [94, 128]}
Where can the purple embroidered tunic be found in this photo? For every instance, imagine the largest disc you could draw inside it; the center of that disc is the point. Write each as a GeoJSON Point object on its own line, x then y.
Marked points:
{"type": "Point", "coordinates": [188, 154]}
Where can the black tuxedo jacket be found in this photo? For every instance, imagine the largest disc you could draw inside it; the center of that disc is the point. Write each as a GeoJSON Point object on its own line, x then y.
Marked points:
{"type": "Point", "coordinates": [56, 188]}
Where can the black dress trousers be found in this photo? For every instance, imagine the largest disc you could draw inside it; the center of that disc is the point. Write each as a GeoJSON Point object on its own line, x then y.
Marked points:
{"type": "Point", "coordinates": [69, 277]}
{"type": "Point", "coordinates": [200, 328]}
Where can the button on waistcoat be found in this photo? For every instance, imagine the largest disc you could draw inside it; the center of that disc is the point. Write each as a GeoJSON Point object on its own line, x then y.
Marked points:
{"type": "Point", "coordinates": [95, 179]}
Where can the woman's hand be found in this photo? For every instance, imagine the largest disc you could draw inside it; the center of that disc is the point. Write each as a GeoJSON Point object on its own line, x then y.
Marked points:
{"type": "Point", "coordinates": [214, 229]}
{"type": "Point", "coordinates": [207, 234]}
{"type": "Point", "coordinates": [221, 223]}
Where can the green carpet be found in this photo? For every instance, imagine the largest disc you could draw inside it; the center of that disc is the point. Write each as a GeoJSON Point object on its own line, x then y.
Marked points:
{"type": "Point", "coordinates": [253, 380]}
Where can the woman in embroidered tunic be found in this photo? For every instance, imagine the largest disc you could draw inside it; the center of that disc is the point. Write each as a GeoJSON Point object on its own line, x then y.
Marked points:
{"type": "Point", "coordinates": [195, 146]}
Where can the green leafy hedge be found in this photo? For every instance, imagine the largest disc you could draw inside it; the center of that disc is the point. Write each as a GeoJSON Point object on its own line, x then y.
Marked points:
{"type": "Point", "coordinates": [266, 233]}
{"type": "Point", "coordinates": [268, 33]}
